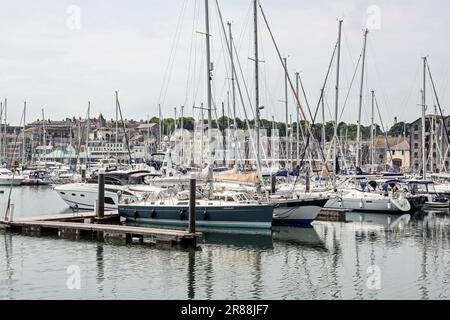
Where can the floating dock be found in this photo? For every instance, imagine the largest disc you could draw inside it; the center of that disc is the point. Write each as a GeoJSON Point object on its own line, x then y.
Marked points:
{"type": "Point", "coordinates": [87, 225]}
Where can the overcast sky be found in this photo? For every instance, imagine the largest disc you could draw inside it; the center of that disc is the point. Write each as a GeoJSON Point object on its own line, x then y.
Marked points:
{"type": "Point", "coordinates": [58, 62]}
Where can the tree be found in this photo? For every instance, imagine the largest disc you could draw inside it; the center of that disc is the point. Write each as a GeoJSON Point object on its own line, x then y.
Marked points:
{"type": "Point", "coordinates": [399, 129]}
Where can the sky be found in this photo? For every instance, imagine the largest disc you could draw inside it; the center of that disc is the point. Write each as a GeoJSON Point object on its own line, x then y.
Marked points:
{"type": "Point", "coordinates": [57, 55]}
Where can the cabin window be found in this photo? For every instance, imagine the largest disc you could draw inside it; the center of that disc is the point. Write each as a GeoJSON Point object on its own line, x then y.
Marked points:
{"type": "Point", "coordinates": [182, 204]}
{"type": "Point", "coordinates": [63, 193]}
{"type": "Point", "coordinates": [74, 195]}
{"type": "Point", "coordinates": [109, 200]}
{"type": "Point", "coordinates": [82, 195]}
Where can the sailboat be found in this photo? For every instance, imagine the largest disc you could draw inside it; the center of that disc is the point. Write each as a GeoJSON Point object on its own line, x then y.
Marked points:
{"type": "Point", "coordinates": [230, 210]}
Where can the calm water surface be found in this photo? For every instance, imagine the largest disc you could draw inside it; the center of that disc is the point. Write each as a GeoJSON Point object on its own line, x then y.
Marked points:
{"type": "Point", "coordinates": [364, 259]}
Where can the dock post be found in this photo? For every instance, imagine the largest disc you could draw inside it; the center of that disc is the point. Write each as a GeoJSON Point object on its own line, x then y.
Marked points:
{"type": "Point", "coordinates": [273, 184]}
{"type": "Point", "coordinates": [308, 182]}
{"type": "Point", "coordinates": [101, 195]}
{"type": "Point", "coordinates": [83, 173]}
{"type": "Point", "coordinates": [192, 194]}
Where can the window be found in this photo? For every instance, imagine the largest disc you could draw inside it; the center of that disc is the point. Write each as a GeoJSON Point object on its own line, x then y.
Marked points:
{"type": "Point", "coordinates": [416, 127]}
{"type": "Point", "coordinates": [109, 200]}
{"type": "Point", "coordinates": [63, 193]}
{"type": "Point", "coordinates": [82, 195]}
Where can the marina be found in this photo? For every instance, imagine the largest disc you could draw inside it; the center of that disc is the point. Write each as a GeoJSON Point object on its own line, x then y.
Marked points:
{"type": "Point", "coordinates": [328, 261]}
{"type": "Point", "coordinates": [264, 168]}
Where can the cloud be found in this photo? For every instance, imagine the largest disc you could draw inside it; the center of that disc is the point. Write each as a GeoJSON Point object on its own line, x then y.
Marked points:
{"type": "Point", "coordinates": [125, 46]}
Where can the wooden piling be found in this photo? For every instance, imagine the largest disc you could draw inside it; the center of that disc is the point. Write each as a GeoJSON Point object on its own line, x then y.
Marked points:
{"type": "Point", "coordinates": [101, 195]}
{"type": "Point", "coordinates": [308, 182]}
{"type": "Point", "coordinates": [273, 184]}
{"type": "Point", "coordinates": [192, 198]}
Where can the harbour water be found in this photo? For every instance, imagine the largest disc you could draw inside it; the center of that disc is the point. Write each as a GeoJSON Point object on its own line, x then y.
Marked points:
{"type": "Point", "coordinates": [364, 259]}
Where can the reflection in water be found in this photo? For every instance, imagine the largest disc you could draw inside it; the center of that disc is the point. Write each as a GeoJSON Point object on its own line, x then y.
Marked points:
{"type": "Point", "coordinates": [100, 267]}
{"type": "Point", "coordinates": [328, 261]}
{"type": "Point", "coordinates": [191, 275]}
{"type": "Point", "coordinates": [305, 237]}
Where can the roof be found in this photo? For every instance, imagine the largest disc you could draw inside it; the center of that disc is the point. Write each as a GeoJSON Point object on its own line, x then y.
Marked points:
{"type": "Point", "coordinates": [146, 126]}
{"type": "Point", "coordinates": [401, 146]}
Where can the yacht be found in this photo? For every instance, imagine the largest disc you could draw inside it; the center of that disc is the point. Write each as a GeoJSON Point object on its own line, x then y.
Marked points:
{"type": "Point", "coordinates": [371, 199]}
{"type": "Point", "coordinates": [227, 210]}
{"type": "Point", "coordinates": [8, 178]}
{"type": "Point", "coordinates": [83, 196]}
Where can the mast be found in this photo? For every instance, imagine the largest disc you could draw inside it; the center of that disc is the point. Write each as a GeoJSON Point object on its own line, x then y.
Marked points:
{"type": "Point", "coordinates": [44, 138]}
{"type": "Point", "coordinates": [88, 125]}
{"type": "Point", "coordinates": [424, 156]}
{"type": "Point", "coordinates": [23, 134]}
{"type": "Point", "coordinates": [297, 77]}
{"type": "Point", "coordinates": [336, 111]}
{"type": "Point", "coordinates": [286, 102]}
{"type": "Point", "coordinates": [233, 91]}
{"type": "Point", "coordinates": [117, 126]}
{"type": "Point", "coordinates": [323, 119]}
{"type": "Point", "coordinates": [160, 127]}
{"type": "Point", "coordinates": [6, 130]}
{"type": "Point", "coordinates": [209, 70]}
{"type": "Point", "coordinates": [358, 132]}
{"type": "Point", "coordinates": [273, 142]}
{"type": "Point", "coordinates": [372, 131]}
{"type": "Point", "coordinates": [182, 136]}
{"type": "Point", "coordinates": [1, 132]}
{"type": "Point", "coordinates": [257, 106]}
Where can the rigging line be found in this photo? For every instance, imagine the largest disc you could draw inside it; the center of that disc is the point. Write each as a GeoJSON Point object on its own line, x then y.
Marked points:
{"type": "Point", "coordinates": [385, 132]}
{"type": "Point", "coordinates": [381, 83]}
{"type": "Point", "coordinates": [194, 74]}
{"type": "Point", "coordinates": [8, 204]}
{"type": "Point", "coordinates": [229, 46]}
{"type": "Point", "coordinates": [190, 53]}
{"type": "Point", "coordinates": [299, 106]}
{"type": "Point", "coordinates": [173, 48]}
{"type": "Point", "coordinates": [438, 102]}
{"type": "Point", "coordinates": [244, 29]}
{"type": "Point", "coordinates": [350, 88]}
{"type": "Point", "coordinates": [405, 101]}
{"type": "Point", "coordinates": [125, 132]}
{"type": "Point", "coordinates": [317, 110]}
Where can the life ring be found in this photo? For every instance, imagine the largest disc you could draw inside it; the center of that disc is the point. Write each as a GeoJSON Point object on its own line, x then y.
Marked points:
{"type": "Point", "coordinates": [205, 215]}
{"type": "Point", "coordinates": [181, 215]}
{"type": "Point", "coordinates": [76, 208]}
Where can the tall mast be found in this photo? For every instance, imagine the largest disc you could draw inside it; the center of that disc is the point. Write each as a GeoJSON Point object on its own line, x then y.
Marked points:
{"type": "Point", "coordinates": [44, 138]}
{"type": "Point", "coordinates": [1, 132]}
{"type": "Point", "coordinates": [323, 119]}
{"type": "Point", "coordinates": [358, 132]}
{"type": "Point", "coordinates": [233, 91]}
{"type": "Point", "coordinates": [424, 106]}
{"type": "Point", "coordinates": [336, 111]}
{"type": "Point", "coordinates": [160, 127]}
{"type": "Point", "coordinates": [88, 127]}
{"type": "Point", "coordinates": [257, 106]}
{"type": "Point", "coordinates": [23, 134]}
{"type": "Point", "coordinates": [6, 129]}
{"type": "Point", "coordinates": [372, 131]}
{"type": "Point", "coordinates": [273, 141]}
{"type": "Point", "coordinates": [209, 79]}
{"type": "Point", "coordinates": [117, 126]}
{"type": "Point", "coordinates": [286, 103]}
{"type": "Point", "coordinates": [297, 77]}
{"type": "Point", "coordinates": [182, 135]}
